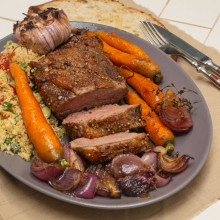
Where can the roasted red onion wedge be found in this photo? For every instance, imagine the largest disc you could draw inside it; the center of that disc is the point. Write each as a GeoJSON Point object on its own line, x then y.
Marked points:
{"type": "Point", "coordinates": [137, 184]}
{"type": "Point", "coordinates": [68, 181]}
{"type": "Point", "coordinates": [102, 190]}
{"type": "Point", "coordinates": [45, 171]}
{"type": "Point", "coordinates": [150, 158]}
{"type": "Point", "coordinates": [73, 158]}
{"type": "Point", "coordinates": [108, 182]}
{"type": "Point", "coordinates": [126, 164]}
{"type": "Point", "coordinates": [161, 180]}
{"type": "Point", "coordinates": [174, 113]}
{"type": "Point", "coordinates": [106, 185]}
{"type": "Point", "coordinates": [44, 31]}
{"type": "Point", "coordinates": [173, 164]}
{"type": "Point", "coordinates": [87, 191]}
{"type": "Point", "coordinates": [160, 149]}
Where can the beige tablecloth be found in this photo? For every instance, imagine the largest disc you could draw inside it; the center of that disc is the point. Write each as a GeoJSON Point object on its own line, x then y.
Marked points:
{"type": "Point", "coordinates": [17, 201]}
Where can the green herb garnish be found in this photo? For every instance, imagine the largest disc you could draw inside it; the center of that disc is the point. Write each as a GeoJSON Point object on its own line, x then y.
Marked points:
{"type": "Point", "coordinates": [24, 65]}
{"type": "Point", "coordinates": [16, 119]}
{"type": "Point", "coordinates": [8, 44]}
{"type": "Point", "coordinates": [8, 141]}
{"type": "Point", "coordinates": [8, 106]}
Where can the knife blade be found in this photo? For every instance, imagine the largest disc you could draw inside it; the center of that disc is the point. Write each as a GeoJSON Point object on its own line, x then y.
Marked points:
{"type": "Point", "coordinates": [187, 48]}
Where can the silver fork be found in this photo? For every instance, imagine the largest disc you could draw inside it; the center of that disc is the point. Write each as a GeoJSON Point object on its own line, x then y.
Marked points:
{"type": "Point", "coordinates": [156, 39]}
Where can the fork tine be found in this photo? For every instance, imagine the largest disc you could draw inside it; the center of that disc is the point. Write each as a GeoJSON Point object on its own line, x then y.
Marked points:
{"type": "Point", "coordinates": [146, 33]}
{"type": "Point", "coordinates": [156, 38]}
{"type": "Point", "coordinates": [161, 39]}
{"type": "Point", "coordinates": [149, 34]}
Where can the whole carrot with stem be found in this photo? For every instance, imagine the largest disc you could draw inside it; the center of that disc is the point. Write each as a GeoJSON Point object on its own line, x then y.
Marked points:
{"type": "Point", "coordinates": [148, 90]}
{"type": "Point", "coordinates": [44, 139]}
{"type": "Point", "coordinates": [158, 132]}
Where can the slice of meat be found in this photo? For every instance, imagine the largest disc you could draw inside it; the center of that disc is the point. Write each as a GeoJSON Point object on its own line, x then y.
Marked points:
{"type": "Point", "coordinates": [108, 119]}
{"type": "Point", "coordinates": [78, 76]}
{"type": "Point", "coordinates": [105, 148]}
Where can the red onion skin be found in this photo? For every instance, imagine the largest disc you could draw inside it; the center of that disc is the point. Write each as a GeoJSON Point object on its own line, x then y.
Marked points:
{"type": "Point", "coordinates": [45, 171]}
{"type": "Point", "coordinates": [177, 118]}
{"type": "Point", "coordinates": [150, 158]}
{"type": "Point", "coordinates": [126, 164]}
{"type": "Point", "coordinates": [102, 190]}
{"type": "Point", "coordinates": [173, 165]}
{"type": "Point", "coordinates": [161, 181]}
{"type": "Point", "coordinates": [73, 158]}
{"type": "Point", "coordinates": [106, 185]}
{"type": "Point", "coordinates": [87, 191]}
{"type": "Point", "coordinates": [138, 184]}
{"type": "Point", "coordinates": [110, 185]}
{"type": "Point", "coordinates": [68, 181]}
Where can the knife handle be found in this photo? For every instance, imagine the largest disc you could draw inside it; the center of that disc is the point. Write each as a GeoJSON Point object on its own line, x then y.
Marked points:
{"type": "Point", "coordinates": [213, 66]}
{"type": "Point", "coordinates": [215, 79]}
{"type": "Point", "coordinates": [200, 68]}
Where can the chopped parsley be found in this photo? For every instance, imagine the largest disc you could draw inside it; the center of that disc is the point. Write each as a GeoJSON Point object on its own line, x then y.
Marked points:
{"type": "Point", "coordinates": [8, 106]}
{"type": "Point", "coordinates": [24, 65]}
{"type": "Point", "coordinates": [8, 44]}
{"type": "Point", "coordinates": [16, 119]}
{"type": "Point", "coordinates": [8, 141]}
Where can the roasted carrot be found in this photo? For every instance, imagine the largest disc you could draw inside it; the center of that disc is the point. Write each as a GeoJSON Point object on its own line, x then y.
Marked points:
{"type": "Point", "coordinates": [144, 66]}
{"type": "Point", "coordinates": [44, 139]}
{"type": "Point", "coordinates": [121, 44]}
{"type": "Point", "coordinates": [158, 132]}
{"type": "Point", "coordinates": [140, 65]}
{"type": "Point", "coordinates": [149, 91]}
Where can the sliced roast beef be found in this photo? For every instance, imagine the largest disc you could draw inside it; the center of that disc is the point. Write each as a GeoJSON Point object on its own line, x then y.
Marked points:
{"type": "Point", "coordinates": [105, 148]}
{"type": "Point", "coordinates": [108, 119]}
{"type": "Point", "coordinates": [78, 75]}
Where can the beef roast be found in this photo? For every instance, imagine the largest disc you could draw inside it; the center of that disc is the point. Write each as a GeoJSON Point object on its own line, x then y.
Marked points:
{"type": "Point", "coordinates": [108, 119]}
{"type": "Point", "coordinates": [78, 75]}
{"type": "Point", "coordinates": [105, 148]}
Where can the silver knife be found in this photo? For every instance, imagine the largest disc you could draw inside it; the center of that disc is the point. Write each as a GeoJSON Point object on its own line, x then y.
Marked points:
{"type": "Point", "coordinates": [187, 48]}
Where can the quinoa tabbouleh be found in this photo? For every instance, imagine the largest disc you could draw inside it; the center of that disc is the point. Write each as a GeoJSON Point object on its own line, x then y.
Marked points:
{"type": "Point", "coordinates": [13, 135]}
